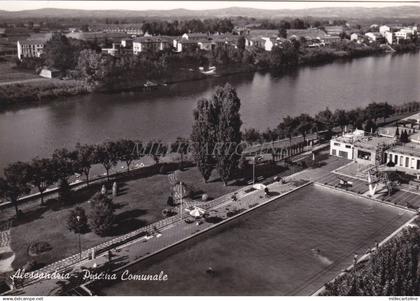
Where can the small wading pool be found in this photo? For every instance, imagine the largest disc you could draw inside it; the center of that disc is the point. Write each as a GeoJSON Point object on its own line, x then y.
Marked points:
{"type": "Point", "coordinates": [290, 247]}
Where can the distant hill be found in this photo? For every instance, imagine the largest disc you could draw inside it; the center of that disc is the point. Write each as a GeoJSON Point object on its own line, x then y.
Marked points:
{"type": "Point", "coordinates": [332, 12]}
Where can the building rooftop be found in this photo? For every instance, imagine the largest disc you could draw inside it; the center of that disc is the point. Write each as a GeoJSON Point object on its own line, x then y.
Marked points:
{"type": "Point", "coordinates": [411, 149]}
{"type": "Point", "coordinates": [153, 39]}
{"type": "Point", "coordinates": [366, 142]}
{"type": "Point", "coordinates": [264, 33]}
{"type": "Point", "coordinates": [372, 142]}
{"type": "Point", "coordinates": [32, 42]}
{"type": "Point", "coordinates": [310, 33]}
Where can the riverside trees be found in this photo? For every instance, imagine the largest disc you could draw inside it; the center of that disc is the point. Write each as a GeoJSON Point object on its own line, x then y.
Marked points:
{"type": "Point", "coordinates": [216, 133]}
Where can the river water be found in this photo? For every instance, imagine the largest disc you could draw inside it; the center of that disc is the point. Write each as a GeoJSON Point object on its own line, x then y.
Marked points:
{"type": "Point", "coordinates": [36, 130]}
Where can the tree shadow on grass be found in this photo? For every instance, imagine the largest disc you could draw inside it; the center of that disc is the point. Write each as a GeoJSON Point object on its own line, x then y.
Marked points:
{"type": "Point", "coordinates": [127, 221]}
{"type": "Point", "coordinates": [30, 216]}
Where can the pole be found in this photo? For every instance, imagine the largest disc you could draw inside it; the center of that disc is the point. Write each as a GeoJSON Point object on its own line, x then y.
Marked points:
{"type": "Point", "coordinates": [180, 185]}
{"type": "Point", "coordinates": [80, 247]}
{"type": "Point", "coordinates": [253, 171]}
{"type": "Point", "coordinates": [80, 243]}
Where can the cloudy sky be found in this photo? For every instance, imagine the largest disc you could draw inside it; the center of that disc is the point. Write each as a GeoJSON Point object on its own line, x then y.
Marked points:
{"type": "Point", "coordinates": [161, 5]}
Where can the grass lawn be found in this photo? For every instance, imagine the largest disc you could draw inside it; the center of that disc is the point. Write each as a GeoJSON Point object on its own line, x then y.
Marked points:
{"type": "Point", "coordinates": [140, 202]}
{"type": "Point", "coordinates": [9, 73]}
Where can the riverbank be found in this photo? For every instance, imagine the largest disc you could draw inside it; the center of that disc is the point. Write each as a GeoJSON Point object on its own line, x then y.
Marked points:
{"type": "Point", "coordinates": [49, 89]}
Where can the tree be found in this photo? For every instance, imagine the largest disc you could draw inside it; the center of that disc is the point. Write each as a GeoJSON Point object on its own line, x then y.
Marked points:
{"type": "Point", "coordinates": [15, 183]}
{"type": "Point", "coordinates": [58, 53]}
{"type": "Point", "coordinates": [77, 221]}
{"type": "Point", "coordinates": [126, 151]}
{"type": "Point", "coordinates": [304, 124]}
{"type": "Point", "coordinates": [41, 175]}
{"type": "Point", "coordinates": [379, 110]}
{"type": "Point", "coordinates": [101, 216]}
{"type": "Point", "coordinates": [340, 118]}
{"type": "Point", "coordinates": [288, 127]}
{"type": "Point", "coordinates": [283, 33]}
{"type": "Point", "coordinates": [228, 131]}
{"type": "Point", "coordinates": [370, 126]}
{"type": "Point", "coordinates": [64, 163]}
{"type": "Point", "coordinates": [106, 154]}
{"type": "Point", "coordinates": [404, 137]}
{"type": "Point", "coordinates": [91, 65]}
{"type": "Point", "coordinates": [325, 119]}
{"type": "Point", "coordinates": [251, 136]}
{"type": "Point", "coordinates": [180, 146]}
{"type": "Point", "coordinates": [241, 42]}
{"type": "Point", "coordinates": [156, 149]}
{"type": "Point", "coordinates": [203, 137]}
{"type": "Point", "coordinates": [85, 157]}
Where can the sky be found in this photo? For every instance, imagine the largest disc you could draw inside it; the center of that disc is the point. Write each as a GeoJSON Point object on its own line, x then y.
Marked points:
{"type": "Point", "coordinates": [195, 5]}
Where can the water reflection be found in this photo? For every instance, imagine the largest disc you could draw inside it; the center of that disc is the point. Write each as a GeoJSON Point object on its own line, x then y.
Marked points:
{"type": "Point", "coordinates": [27, 131]}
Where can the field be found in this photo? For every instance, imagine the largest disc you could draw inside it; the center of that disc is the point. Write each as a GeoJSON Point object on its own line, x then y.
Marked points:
{"type": "Point", "coordinates": [291, 247]}
{"type": "Point", "coordinates": [140, 202]}
{"type": "Point", "coordinates": [8, 73]}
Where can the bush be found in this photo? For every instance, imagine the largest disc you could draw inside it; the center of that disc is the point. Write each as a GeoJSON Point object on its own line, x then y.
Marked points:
{"type": "Point", "coordinates": [101, 216]}
{"type": "Point", "coordinates": [167, 212]}
{"type": "Point", "coordinates": [162, 169]}
{"type": "Point", "coordinates": [64, 191]}
{"type": "Point", "coordinates": [170, 201]}
{"type": "Point", "coordinates": [38, 247]}
{"type": "Point", "coordinates": [77, 225]}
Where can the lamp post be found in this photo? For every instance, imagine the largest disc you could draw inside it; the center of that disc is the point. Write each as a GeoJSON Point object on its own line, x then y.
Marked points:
{"type": "Point", "coordinates": [182, 196]}
{"type": "Point", "coordinates": [80, 243]}
{"type": "Point", "coordinates": [254, 159]}
{"type": "Point", "coordinates": [253, 170]}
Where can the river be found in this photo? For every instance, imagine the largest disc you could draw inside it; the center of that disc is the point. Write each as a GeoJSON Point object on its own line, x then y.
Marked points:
{"type": "Point", "coordinates": [36, 130]}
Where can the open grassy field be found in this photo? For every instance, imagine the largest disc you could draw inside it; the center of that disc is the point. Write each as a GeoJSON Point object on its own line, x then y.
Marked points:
{"type": "Point", "coordinates": [9, 73]}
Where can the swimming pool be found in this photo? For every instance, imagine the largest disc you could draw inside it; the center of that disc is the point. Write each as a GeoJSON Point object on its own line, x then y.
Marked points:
{"type": "Point", "coordinates": [290, 247]}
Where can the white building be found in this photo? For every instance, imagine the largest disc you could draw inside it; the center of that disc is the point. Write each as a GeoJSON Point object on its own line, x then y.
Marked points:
{"type": "Point", "coordinates": [389, 37]}
{"type": "Point", "coordinates": [30, 48]}
{"type": "Point", "coordinates": [151, 44]}
{"type": "Point", "coordinates": [383, 29]}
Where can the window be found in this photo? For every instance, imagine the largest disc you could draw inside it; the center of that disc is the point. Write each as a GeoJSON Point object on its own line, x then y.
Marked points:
{"type": "Point", "coordinates": [348, 146]}
{"type": "Point", "coordinates": [336, 144]}
{"type": "Point", "coordinates": [407, 161]}
{"type": "Point", "coordinates": [343, 154]}
{"type": "Point", "coordinates": [401, 160]}
{"type": "Point", "coordinates": [334, 152]}
{"type": "Point", "coordinates": [363, 155]}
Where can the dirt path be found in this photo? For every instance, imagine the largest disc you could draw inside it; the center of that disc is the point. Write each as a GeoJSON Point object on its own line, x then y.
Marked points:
{"type": "Point", "coordinates": [21, 81]}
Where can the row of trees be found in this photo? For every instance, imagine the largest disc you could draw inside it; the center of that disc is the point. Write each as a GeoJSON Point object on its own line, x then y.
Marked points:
{"type": "Point", "coordinates": [393, 270]}
{"type": "Point", "coordinates": [324, 120]}
{"type": "Point", "coordinates": [216, 133]}
{"type": "Point", "coordinates": [176, 28]}
{"type": "Point", "coordinates": [297, 23]}
{"type": "Point", "coordinates": [20, 177]}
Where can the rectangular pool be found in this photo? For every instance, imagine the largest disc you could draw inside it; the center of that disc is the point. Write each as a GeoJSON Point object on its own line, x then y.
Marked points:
{"type": "Point", "coordinates": [290, 247]}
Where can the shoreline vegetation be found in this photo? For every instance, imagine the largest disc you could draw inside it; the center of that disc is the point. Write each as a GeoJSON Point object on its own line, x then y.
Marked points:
{"type": "Point", "coordinates": [88, 71]}
{"type": "Point", "coordinates": [22, 179]}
